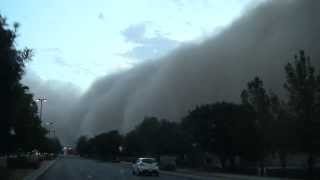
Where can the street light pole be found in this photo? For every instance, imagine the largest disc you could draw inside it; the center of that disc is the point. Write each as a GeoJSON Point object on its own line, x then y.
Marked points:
{"type": "Point", "coordinates": [41, 100]}
{"type": "Point", "coordinates": [51, 128]}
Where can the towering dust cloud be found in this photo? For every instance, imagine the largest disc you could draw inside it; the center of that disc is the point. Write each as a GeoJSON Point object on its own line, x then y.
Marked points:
{"type": "Point", "coordinates": [259, 43]}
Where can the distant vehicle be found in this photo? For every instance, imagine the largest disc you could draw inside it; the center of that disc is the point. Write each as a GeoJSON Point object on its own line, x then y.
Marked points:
{"type": "Point", "coordinates": [145, 166]}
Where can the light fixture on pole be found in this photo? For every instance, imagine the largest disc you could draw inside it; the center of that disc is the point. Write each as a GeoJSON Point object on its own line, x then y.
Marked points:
{"type": "Point", "coordinates": [41, 100]}
{"type": "Point", "coordinates": [12, 132]}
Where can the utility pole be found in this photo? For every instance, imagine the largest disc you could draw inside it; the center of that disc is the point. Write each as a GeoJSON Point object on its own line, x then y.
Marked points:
{"type": "Point", "coordinates": [51, 128]}
{"type": "Point", "coordinates": [54, 133]}
{"type": "Point", "coordinates": [41, 100]}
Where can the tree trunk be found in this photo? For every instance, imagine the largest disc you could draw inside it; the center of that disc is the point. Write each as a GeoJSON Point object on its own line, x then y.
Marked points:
{"type": "Point", "coordinates": [310, 164]}
{"type": "Point", "coordinates": [232, 163]}
{"type": "Point", "coordinates": [261, 166]}
{"type": "Point", "coordinates": [223, 162]}
{"type": "Point", "coordinates": [283, 161]}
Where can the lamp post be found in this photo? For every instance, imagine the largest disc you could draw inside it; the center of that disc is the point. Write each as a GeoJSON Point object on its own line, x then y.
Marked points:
{"type": "Point", "coordinates": [41, 100]}
{"type": "Point", "coordinates": [50, 124]}
{"type": "Point", "coordinates": [12, 140]}
{"type": "Point", "coordinates": [195, 154]}
{"type": "Point", "coordinates": [12, 132]}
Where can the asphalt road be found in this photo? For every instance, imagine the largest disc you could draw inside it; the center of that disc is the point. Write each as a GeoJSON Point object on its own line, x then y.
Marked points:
{"type": "Point", "coordinates": [74, 168]}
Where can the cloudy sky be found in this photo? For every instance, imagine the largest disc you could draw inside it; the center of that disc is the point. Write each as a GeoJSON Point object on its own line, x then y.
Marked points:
{"type": "Point", "coordinates": [132, 59]}
{"type": "Point", "coordinates": [79, 40]}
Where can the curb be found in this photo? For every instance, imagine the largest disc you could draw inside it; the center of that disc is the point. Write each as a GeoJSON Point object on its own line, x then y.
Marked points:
{"type": "Point", "coordinates": [222, 176]}
{"type": "Point", "coordinates": [215, 175]}
{"type": "Point", "coordinates": [36, 174]}
{"type": "Point", "coordinates": [187, 175]}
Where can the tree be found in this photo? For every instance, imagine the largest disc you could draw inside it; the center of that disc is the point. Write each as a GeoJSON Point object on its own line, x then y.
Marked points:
{"type": "Point", "coordinates": [28, 131]}
{"type": "Point", "coordinates": [284, 126]}
{"type": "Point", "coordinates": [255, 96]}
{"type": "Point", "coordinates": [18, 110]}
{"type": "Point", "coordinates": [303, 84]}
{"type": "Point", "coordinates": [106, 145]}
{"type": "Point", "coordinates": [243, 131]}
{"type": "Point", "coordinates": [225, 129]}
{"type": "Point", "coordinates": [197, 125]}
{"type": "Point", "coordinates": [51, 145]}
{"type": "Point", "coordinates": [156, 137]}
{"type": "Point", "coordinates": [148, 132]}
{"type": "Point", "coordinates": [172, 139]}
{"type": "Point", "coordinates": [20, 126]}
{"type": "Point", "coordinates": [132, 144]}
{"type": "Point", "coordinates": [144, 139]}
{"type": "Point", "coordinates": [82, 146]}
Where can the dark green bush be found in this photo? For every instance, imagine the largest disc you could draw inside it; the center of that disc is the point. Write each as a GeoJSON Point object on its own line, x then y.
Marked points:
{"type": "Point", "coordinates": [22, 162]}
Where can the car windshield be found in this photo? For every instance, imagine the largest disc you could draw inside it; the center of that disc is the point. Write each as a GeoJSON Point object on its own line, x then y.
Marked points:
{"type": "Point", "coordinates": [148, 160]}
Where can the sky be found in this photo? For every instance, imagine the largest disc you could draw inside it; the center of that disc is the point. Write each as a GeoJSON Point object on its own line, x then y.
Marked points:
{"type": "Point", "coordinates": [106, 65]}
{"type": "Point", "coordinates": [77, 41]}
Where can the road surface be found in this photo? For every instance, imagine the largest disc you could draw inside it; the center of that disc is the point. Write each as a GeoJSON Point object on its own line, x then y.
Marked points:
{"type": "Point", "coordinates": [74, 168]}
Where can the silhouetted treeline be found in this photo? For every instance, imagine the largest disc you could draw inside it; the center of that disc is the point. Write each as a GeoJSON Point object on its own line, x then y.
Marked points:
{"type": "Point", "coordinates": [104, 146]}
{"type": "Point", "coordinates": [20, 126]}
{"type": "Point", "coordinates": [263, 124]}
{"type": "Point", "coordinates": [151, 137]}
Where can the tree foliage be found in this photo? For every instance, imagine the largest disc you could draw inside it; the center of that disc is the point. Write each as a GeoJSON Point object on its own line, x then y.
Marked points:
{"type": "Point", "coordinates": [104, 145]}
{"type": "Point", "coordinates": [303, 84]}
{"type": "Point", "coordinates": [50, 145]}
{"type": "Point", "coordinates": [156, 137]}
{"type": "Point", "coordinates": [256, 97]}
{"type": "Point", "coordinates": [82, 145]}
{"type": "Point", "coordinates": [20, 125]}
{"type": "Point", "coordinates": [223, 129]}
{"type": "Point", "coordinates": [152, 137]}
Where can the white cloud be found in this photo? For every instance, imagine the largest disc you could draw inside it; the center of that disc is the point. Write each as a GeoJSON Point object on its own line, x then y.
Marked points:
{"type": "Point", "coordinates": [151, 47]}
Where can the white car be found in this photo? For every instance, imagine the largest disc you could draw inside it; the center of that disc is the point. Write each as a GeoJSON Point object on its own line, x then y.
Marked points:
{"type": "Point", "coordinates": [145, 166]}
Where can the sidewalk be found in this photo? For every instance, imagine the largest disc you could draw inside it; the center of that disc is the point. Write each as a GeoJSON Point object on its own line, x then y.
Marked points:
{"type": "Point", "coordinates": [45, 165]}
{"type": "Point", "coordinates": [218, 175]}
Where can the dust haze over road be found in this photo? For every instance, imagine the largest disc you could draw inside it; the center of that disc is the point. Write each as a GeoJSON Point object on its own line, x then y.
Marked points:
{"type": "Point", "coordinates": [260, 42]}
